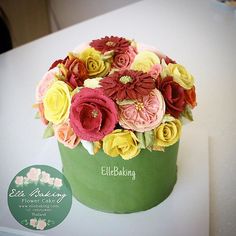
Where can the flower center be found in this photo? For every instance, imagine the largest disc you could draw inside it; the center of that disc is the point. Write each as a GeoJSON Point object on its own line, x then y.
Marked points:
{"type": "Point", "coordinates": [139, 106]}
{"type": "Point", "coordinates": [125, 79]}
{"type": "Point", "coordinates": [110, 44]}
{"type": "Point", "coordinates": [94, 113]}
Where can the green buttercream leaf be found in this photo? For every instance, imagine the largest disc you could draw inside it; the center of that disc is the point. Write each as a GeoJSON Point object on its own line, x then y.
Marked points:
{"type": "Point", "coordinates": [49, 131]}
{"type": "Point", "coordinates": [187, 113]}
{"type": "Point", "coordinates": [125, 102]}
{"type": "Point", "coordinates": [167, 118]}
{"type": "Point", "coordinates": [146, 139]}
{"type": "Point", "coordinates": [107, 55]}
{"type": "Point", "coordinates": [37, 115]}
{"type": "Point", "coordinates": [76, 90]}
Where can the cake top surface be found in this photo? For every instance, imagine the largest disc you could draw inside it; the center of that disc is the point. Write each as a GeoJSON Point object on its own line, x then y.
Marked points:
{"type": "Point", "coordinates": [116, 94]}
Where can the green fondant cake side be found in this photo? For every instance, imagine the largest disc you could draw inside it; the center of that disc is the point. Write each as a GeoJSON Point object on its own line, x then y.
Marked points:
{"type": "Point", "coordinates": [119, 186]}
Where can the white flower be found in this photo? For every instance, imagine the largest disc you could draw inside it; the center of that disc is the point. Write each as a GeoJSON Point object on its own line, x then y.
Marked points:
{"type": "Point", "coordinates": [33, 222]}
{"type": "Point", "coordinates": [45, 177]}
{"type": "Point", "coordinates": [57, 182]}
{"type": "Point", "coordinates": [41, 224]}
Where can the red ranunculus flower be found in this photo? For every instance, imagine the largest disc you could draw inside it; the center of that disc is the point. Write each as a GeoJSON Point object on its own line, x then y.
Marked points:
{"type": "Point", "coordinates": [92, 114]}
{"type": "Point", "coordinates": [127, 84]}
{"type": "Point", "coordinates": [169, 60]}
{"type": "Point", "coordinates": [77, 72]}
{"type": "Point", "coordinates": [55, 63]}
{"type": "Point", "coordinates": [173, 94]}
{"type": "Point", "coordinates": [117, 44]}
{"type": "Point", "coordinates": [190, 97]}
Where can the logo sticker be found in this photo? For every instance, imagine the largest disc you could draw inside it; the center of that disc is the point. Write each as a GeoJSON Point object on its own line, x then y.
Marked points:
{"type": "Point", "coordinates": [39, 197]}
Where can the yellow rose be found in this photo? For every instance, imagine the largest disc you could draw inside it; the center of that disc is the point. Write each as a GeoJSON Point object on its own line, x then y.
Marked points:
{"type": "Point", "coordinates": [168, 133]}
{"type": "Point", "coordinates": [179, 74]}
{"type": "Point", "coordinates": [94, 63]}
{"type": "Point", "coordinates": [144, 61]}
{"type": "Point", "coordinates": [57, 102]}
{"type": "Point", "coordinates": [121, 142]}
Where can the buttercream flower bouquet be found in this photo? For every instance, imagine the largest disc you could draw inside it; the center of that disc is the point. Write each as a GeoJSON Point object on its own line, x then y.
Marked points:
{"type": "Point", "coordinates": [116, 95]}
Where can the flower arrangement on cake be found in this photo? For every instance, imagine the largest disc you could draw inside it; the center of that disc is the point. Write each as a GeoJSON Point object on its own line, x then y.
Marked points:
{"type": "Point", "coordinates": [117, 95]}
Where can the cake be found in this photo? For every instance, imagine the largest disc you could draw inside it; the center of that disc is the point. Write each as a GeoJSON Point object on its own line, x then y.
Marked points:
{"type": "Point", "coordinates": [116, 108]}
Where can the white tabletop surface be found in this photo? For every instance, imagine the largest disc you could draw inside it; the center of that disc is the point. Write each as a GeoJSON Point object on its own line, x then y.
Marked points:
{"type": "Point", "coordinates": [199, 34]}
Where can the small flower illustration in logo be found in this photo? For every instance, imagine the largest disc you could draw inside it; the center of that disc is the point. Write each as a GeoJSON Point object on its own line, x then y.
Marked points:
{"type": "Point", "coordinates": [41, 224]}
{"type": "Point", "coordinates": [26, 180]}
{"type": "Point", "coordinates": [19, 180]}
{"type": "Point", "coordinates": [57, 183]}
{"type": "Point", "coordinates": [51, 181]}
{"type": "Point", "coordinates": [33, 222]}
{"type": "Point", "coordinates": [45, 177]}
{"type": "Point", "coordinates": [34, 174]}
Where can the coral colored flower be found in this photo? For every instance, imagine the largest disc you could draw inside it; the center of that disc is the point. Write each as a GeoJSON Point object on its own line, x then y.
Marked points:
{"type": "Point", "coordinates": [127, 84]}
{"type": "Point", "coordinates": [121, 142]}
{"type": "Point", "coordinates": [179, 74]}
{"type": "Point", "coordinates": [44, 84]}
{"type": "Point", "coordinates": [76, 72]}
{"type": "Point", "coordinates": [145, 114]}
{"type": "Point", "coordinates": [92, 114]}
{"type": "Point", "coordinates": [117, 44]}
{"type": "Point", "coordinates": [94, 62]}
{"type": "Point", "coordinates": [56, 102]}
{"type": "Point", "coordinates": [144, 61]}
{"type": "Point", "coordinates": [65, 135]}
{"type": "Point", "coordinates": [41, 224]}
{"type": "Point", "coordinates": [168, 133]}
{"type": "Point", "coordinates": [19, 180]}
{"type": "Point", "coordinates": [41, 113]}
{"type": "Point", "coordinates": [34, 174]}
{"type": "Point", "coordinates": [190, 97]}
{"type": "Point", "coordinates": [155, 71]}
{"type": "Point", "coordinates": [124, 60]}
{"type": "Point", "coordinates": [173, 94]}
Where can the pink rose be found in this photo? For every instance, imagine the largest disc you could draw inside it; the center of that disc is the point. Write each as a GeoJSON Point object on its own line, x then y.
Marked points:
{"type": "Point", "coordinates": [65, 135]}
{"type": "Point", "coordinates": [44, 84]}
{"type": "Point", "coordinates": [33, 222]}
{"type": "Point", "coordinates": [19, 180]}
{"type": "Point", "coordinates": [57, 182]}
{"type": "Point", "coordinates": [124, 60]}
{"type": "Point", "coordinates": [41, 224]}
{"type": "Point", "coordinates": [143, 115]}
{"type": "Point", "coordinates": [155, 71]}
{"type": "Point", "coordinates": [34, 174]}
{"type": "Point", "coordinates": [92, 114]}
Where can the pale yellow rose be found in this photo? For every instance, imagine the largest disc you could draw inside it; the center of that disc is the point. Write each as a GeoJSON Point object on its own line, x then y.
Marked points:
{"type": "Point", "coordinates": [121, 142]}
{"type": "Point", "coordinates": [57, 102]}
{"type": "Point", "coordinates": [168, 133]}
{"type": "Point", "coordinates": [95, 65]}
{"type": "Point", "coordinates": [179, 74]}
{"type": "Point", "coordinates": [144, 61]}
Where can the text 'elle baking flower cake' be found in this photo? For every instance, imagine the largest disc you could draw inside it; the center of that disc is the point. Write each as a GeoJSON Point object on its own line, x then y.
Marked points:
{"type": "Point", "coordinates": [116, 108]}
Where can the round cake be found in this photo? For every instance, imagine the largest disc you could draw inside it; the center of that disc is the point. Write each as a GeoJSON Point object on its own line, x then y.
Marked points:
{"type": "Point", "coordinates": [116, 108]}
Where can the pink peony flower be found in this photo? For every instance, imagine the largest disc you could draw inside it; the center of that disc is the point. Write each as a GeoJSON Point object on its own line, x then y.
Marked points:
{"type": "Point", "coordinates": [19, 180]}
{"type": "Point", "coordinates": [65, 135]}
{"type": "Point", "coordinates": [124, 60]}
{"type": "Point", "coordinates": [41, 224]}
{"type": "Point", "coordinates": [34, 174]}
{"type": "Point", "coordinates": [145, 114]}
{"type": "Point", "coordinates": [92, 114]}
{"type": "Point", "coordinates": [57, 182]}
{"type": "Point", "coordinates": [33, 222]}
{"type": "Point", "coordinates": [44, 84]}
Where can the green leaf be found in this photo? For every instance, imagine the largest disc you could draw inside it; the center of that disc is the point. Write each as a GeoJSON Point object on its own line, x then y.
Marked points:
{"type": "Point", "coordinates": [187, 113]}
{"type": "Point", "coordinates": [49, 131]}
{"type": "Point", "coordinates": [146, 139]}
{"type": "Point", "coordinates": [37, 115]}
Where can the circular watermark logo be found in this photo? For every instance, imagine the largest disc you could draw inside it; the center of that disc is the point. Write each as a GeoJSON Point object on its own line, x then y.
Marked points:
{"type": "Point", "coordinates": [39, 197]}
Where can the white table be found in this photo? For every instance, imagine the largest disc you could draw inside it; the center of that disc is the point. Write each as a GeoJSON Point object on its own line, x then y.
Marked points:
{"type": "Point", "coordinates": [199, 34]}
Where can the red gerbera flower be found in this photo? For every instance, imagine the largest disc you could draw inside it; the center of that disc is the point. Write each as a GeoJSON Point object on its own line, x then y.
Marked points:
{"type": "Point", "coordinates": [117, 44]}
{"type": "Point", "coordinates": [127, 84]}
